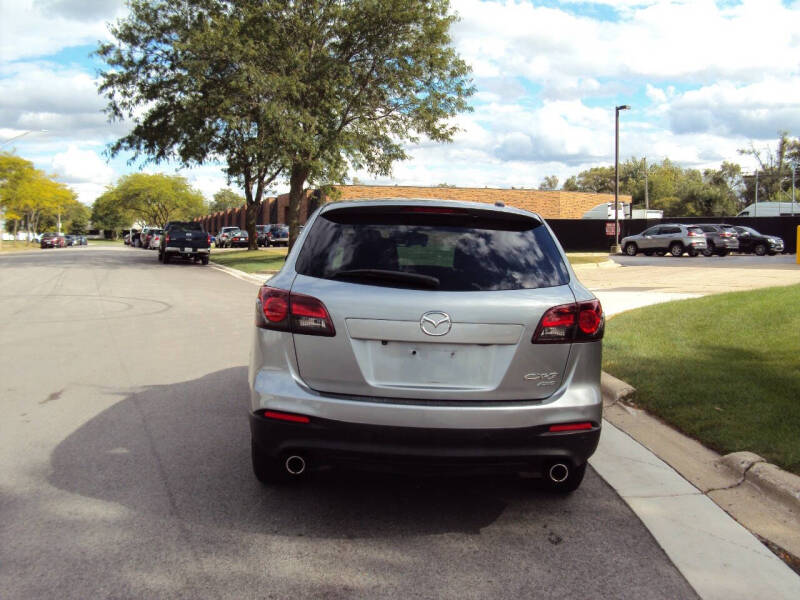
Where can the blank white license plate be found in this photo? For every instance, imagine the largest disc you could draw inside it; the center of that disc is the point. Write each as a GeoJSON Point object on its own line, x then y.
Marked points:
{"type": "Point", "coordinates": [187, 249]}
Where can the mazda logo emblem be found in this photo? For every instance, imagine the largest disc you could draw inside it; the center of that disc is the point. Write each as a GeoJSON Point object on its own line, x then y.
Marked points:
{"type": "Point", "coordinates": [435, 323]}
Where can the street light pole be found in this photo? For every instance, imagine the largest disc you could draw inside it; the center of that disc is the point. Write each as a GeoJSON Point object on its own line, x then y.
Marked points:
{"type": "Point", "coordinates": [755, 204]}
{"type": "Point", "coordinates": [616, 174]}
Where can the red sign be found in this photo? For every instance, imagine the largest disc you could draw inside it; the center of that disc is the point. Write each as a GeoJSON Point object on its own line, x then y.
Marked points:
{"type": "Point", "coordinates": [611, 229]}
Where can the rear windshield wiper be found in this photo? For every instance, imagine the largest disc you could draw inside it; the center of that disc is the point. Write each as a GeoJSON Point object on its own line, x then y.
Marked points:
{"type": "Point", "coordinates": [384, 275]}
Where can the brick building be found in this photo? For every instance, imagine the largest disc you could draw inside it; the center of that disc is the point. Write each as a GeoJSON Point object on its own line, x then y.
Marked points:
{"type": "Point", "coordinates": [551, 205]}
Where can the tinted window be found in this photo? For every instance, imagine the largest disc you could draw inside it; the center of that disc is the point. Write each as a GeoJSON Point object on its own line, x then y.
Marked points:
{"type": "Point", "coordinates": [670, 229]}
{"type": "Point", "coordinates": [707, 228]}
{"type": "Point", "coordinates": [651, 231]}
{"type": "Point", "coordinates": [465, 251]}
{"type": "Point", "coordinates": [189, 226]}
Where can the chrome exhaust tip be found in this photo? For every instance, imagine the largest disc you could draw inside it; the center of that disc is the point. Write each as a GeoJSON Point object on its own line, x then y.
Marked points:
{"type": "Point", "coordinates": [558, 473]}
{"type": "Point", "coordinates": [295, 465]}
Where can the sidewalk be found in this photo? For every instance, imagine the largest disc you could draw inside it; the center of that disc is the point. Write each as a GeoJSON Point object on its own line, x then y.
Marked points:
{"type": "Point", "coordinates": [718, 556]}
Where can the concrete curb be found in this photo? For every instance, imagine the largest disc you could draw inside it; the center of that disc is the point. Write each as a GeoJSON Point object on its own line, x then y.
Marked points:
{"type": "Point", "coordinates": [615, 389]}
{"type": "Point", "coordinates": [249, 277]}
{"type": "Point", "coordinates": [779, 485]}
{"type": "Point", "coordinates": [607, 264]}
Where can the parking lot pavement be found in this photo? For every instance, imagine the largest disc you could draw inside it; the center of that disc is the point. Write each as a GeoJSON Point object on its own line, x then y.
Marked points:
{"type": "Point", "coordinates": [699, 275]}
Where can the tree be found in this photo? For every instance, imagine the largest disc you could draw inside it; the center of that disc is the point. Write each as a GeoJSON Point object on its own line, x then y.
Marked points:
{"type": "Point", "coordinates": [774, 169]}
{"type": "Point", "coordinates": [13, 170]}
{"type": "Point", "coordinates": [549, 183]}
{"type": "Point", "coordinates": [198, 78]}
{"type": "Point", "coordinates": [109, 214]}
{"type": "Point", "coordinates": [226, 199]}
{"type": "Point", "coordinates": [278, 87]}
{"type": "Point", "coordinates": [156, 199]}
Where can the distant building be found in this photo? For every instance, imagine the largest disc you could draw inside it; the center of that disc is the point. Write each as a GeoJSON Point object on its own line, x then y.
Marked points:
{"type": "Point", "coordinates": [555, 204]}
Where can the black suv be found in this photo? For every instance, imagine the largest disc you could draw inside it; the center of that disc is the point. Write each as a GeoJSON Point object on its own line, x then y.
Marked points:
{"type": "Point", "coordinates": [751, 240]}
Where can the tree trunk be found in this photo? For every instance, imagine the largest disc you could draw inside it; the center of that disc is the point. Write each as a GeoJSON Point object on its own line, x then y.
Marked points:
{"type": "Point", "coordinates": [296, 181]}
{"type": "Point", "coordinates": [250, 224]}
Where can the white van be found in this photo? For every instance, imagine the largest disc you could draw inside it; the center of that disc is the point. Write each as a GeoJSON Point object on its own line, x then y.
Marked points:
{"type": "Point", "coordinates": [771, 209]}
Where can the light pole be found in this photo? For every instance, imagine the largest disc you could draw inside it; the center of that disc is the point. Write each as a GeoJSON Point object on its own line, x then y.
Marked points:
{"type": "Point", "coordinates": [616, 174]}
{"type": "Point", "coordinates": [24, 133]}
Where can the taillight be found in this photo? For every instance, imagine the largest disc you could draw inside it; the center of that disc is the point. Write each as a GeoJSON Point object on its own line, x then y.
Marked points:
{"type": "Point", "coordinates": [571, 427]}
{"type": "Point", "coordinates": [166, 238]}
{"type": "Point", "coordinates": [283, 311]}
{"type": "Point", "coordinates": [568, 323]}
{"type": "Point", "coordinates": [694, 234]}
{"type": "Point", "coordinates": [208, 238]}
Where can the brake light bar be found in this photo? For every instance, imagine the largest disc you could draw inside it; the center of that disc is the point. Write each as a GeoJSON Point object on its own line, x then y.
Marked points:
{"type": "Point", "coordinates": [282, 416]}
{"type": "Point", "coordinates": [568, 323]}
{"type": "Point", "coordinates": [281, 310]}
{"type": "Point", "coordinates": [435, 210]}
{"type": "Point", "coordinates": [571, 427]}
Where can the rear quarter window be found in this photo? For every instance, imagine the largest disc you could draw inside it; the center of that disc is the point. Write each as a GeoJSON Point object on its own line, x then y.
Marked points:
{"type": "Point", "coordinates": [472, 250]}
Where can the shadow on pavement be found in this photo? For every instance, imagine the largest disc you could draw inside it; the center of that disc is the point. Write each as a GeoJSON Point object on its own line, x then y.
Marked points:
{"type": "Point", "coordinates": [184, 449]}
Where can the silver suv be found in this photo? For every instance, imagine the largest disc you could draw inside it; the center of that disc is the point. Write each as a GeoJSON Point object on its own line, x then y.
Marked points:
{"type": "Point", "coordinates": [425, 335]}
{"type": "Point", "coordinates": [667, 237]}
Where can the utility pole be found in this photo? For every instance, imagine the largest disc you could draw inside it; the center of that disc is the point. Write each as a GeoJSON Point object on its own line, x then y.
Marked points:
{"type": "Point", "coordinates": [755, 207]}
{"type": "Point", "coordinates": [646, 191]}
{"type": "Point", "coordinates": [794, 168]}
{"type": "Point", "coordinates": [616, 174]}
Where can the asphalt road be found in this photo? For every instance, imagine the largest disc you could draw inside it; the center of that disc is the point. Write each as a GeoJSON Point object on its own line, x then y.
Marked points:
{"type": "Point", "coordinates": [124, 468]}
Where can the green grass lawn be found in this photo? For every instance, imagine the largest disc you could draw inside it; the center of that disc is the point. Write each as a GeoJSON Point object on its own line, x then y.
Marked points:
{"type": "Point", "coordinates": [251, 261]}
{"type": "Point", "coordinates": [18, 246]}
{"type": "Point", "coordinates": [724, 369]}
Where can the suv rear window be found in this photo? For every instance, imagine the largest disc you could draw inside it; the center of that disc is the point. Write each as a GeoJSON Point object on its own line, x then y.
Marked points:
{"type": "Point", "coordinates": [444, 249]}
{"type": "Point", "coordinates": [190, 226]}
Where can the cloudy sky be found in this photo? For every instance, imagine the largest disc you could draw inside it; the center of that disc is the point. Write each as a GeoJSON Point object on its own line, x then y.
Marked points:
{"type": "Point", "coordinates": [704, 78]}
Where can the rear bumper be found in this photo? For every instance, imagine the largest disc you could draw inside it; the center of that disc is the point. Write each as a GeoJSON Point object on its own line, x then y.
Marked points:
{"type": "Point", "coordinates": [373, 447]}
{"type": "Point", "coordinates": [176, 250]}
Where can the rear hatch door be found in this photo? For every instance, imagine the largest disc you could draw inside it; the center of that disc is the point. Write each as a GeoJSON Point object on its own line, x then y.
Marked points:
{"type": "Point", "coordinates": [432, 305]}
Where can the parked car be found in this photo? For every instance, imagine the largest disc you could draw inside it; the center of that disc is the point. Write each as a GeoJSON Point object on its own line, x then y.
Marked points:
{"type": "Point", "coordinates": [408, 334]}
{"type": "Point", "coordinates": [146, 236]}
{"type": "Point", "coordinates": [134, 238]}
{"type": "Point", "coordinates": [261, 234]}
{"type": "Point", "coordinates": [80, 240]}
{"type": "Point", "coordinates": [155, 238]}
{"type": "Point", "coordinates": [52, 240]}
{"type": "Point", "coordinates": [223, 235]}
{"type": "Point", "coordinates": [751, 240]}
{"type": "Point", "coordinates": [69, 240]}
{"type": "Point", "coordinates": [278, 235]}
{"type": "Point", "coordinates": [720, 239]}
{"type": "Point", "coordinates": [238, 239]}
{"type": "Point", "coordinates": [184, 239]}
{"type": "Point", "coordinates": [674, 238]}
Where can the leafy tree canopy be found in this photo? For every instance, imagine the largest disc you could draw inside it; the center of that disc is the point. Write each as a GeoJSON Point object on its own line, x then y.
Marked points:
{"type": "Point", "coordinates": [284, 88]}
{"type": "Point", "coordinates": [153, 199]}
{"type": "Point", "coordinates": [226, 199]}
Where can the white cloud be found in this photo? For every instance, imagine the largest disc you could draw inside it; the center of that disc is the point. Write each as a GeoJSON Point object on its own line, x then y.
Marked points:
{"type": "Point", "coordinates": [84, 171]}
{"type": "Point", "coordinates": [691, 41]}
{"type": "Point", "coordinates": [31, 28]}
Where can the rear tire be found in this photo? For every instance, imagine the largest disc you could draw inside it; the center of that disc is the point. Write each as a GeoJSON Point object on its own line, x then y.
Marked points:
{"type": "Point", "coordinates": [570, 484]}
{"type": "Point", "coordinates": [760, 249]}
{"type": "Point", "coordinates": [676, 249]}
{"type": "Point", "coordinates": [692, 252]}
{"type": "Point", "coordinates": [204, 260]}
{"type": "Point", "coordinates": [723, 253]}
{"type": "Point", "coordinates": [709, 251]}
{"type": "Point", "coordinates": [267, 470]}
{"type": "Point", "coordinates": [631, 249]}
